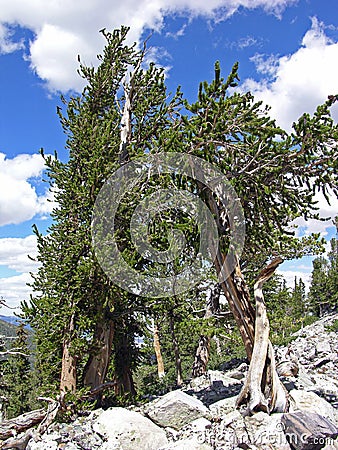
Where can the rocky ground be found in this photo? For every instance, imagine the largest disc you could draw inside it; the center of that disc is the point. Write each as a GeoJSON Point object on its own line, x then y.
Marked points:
{"type": "Point", "coordinates": [202, 415]}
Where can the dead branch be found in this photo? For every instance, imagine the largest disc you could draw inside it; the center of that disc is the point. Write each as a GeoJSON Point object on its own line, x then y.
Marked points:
{"type": "Point", "coordinates": [10, 428]}
{"type": "Point", "coordinates": [13, 352]}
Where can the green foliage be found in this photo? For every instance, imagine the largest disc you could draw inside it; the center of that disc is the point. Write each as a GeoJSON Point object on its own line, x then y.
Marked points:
{"type": "Point", "coordinates": [323, 295]}
{"type": "Point", "coordinates": [333, 327]}
{"type": "Point", "coordinates": [276, 176]}
{"type": "Point", "coordinates": [17, 376]}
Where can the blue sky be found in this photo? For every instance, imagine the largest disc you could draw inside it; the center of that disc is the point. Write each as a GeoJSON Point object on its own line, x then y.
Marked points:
{"type": "Point", "coordinates": [288, 55]}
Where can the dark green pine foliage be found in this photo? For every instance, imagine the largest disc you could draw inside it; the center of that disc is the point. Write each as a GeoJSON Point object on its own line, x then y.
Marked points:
{"type": "Point", "coordinates": [3, 380]}
{"type": "Point", "coordinates": [299, 302]}
{"type": "Point", "coordinates": [72, 294]}
{"type": "Point", "coordinates": [333, 270]}
{"type": "Point", "coordinates": [323, 291]}
{"type": "Point", "coordinates": [275, 174]}
{"type": "Point", "coordinates": [318, 293]}
{"type": "Point", "coordinates": [18, 375]}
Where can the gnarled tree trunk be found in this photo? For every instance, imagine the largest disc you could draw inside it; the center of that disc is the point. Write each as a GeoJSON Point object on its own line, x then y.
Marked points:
{"type": "Point", "coordinates": [263, 390]}
{"type": "Point", "coordinates": [238, 297]}
{"type": "Point", "coordinates": [201, 357]}
{"type": "Point", "coordinates": [97, 365]}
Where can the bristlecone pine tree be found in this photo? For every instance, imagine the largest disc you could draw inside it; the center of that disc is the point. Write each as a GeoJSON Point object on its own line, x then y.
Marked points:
{"type": "Point", "coordinates": [78, 314]}
{"type": "Point", "coordinates": [125, 112]}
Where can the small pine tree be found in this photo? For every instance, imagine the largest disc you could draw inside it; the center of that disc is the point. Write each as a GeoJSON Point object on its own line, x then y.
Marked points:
{"type": "Point", "coordinates": [298, 300]}
{"type": "Point", "coordinates": [333, 270]}
{"type": "Point", "coordinates": [319, 289]}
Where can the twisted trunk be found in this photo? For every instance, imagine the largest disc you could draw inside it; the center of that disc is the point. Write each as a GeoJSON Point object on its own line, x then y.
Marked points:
{"type": "Point", "coordinates": [263, 390]}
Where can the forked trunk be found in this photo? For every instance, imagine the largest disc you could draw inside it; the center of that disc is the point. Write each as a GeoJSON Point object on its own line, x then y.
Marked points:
{"type": "Point", "coordinates": [158, 353]}
{"type": "Point", "coordinates": [263, 390]}
{"type": "Point", "coordinates": [68, 368]}
{"type": "Point", "coordinates": [97, 365]}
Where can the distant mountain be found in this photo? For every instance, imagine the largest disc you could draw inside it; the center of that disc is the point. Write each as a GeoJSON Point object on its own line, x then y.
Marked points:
{"type": "Point", "coordinates": [10, 319]}
{"type": "Point", "coordinates": [8, 332]}
{"type": "Point", "coordinates": [7, 328]}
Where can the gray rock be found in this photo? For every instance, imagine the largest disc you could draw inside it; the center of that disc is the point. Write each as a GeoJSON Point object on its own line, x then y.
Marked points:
{"type": "Point", "coordinates": [223, 407]}
{"type": "Point", "coordinates": [129, 430]}
{"type": "Point", "coordinates": [267, 431]}
{"type": "Point", "coordinates": [176, 409]}
{"type": "Point", "coordinates": [308, 431]}
{"type": "Point", "coordinates": [187, 444]}
{"type": "Point", "coordinates": [323, 346]}
{"type": "Point", "coordinates": [309, 401]}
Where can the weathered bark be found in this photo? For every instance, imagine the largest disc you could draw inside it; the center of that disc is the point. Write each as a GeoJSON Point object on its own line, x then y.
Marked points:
{"type": "Point", "coordinates": [202, 352]}
{"type": "Point", "coordinates": [25, 422]}
{"type": "Point", "coordinates": [68, 369]}
{"type": "Point", "coordinates": [178, 364]}
{"type": "Point", "coordinates": [123, 361]}
{"type": "Point", "coordinates": [262, 390]}
{"type": "Point", "coordinates": [97, 365]}
{"type": "Point", "coordinates": [232, 282]}
{"type": "Point", "coordinates": [158, 353]}
{"type": "Point", "coordinates": [238, 297]}
{"type": "Point", "coordinates": [10, 428]}
{"type": "Point", "coordinates": [201, 357]}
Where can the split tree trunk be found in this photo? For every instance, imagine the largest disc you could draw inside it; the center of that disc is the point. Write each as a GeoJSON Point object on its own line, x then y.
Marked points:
{"type": "Point", "coordinates": [263, 390]}
{"type": "Point", "coordinates": [158, 353]}
{"type": "Point", "coordinates": [238, 297]}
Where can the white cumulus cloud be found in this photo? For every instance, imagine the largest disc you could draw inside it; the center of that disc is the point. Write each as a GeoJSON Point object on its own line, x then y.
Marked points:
{"type": "Point", "coordinates": [19, 200]}
{"type": "Point", "coordinates": [13, 290]}
{"type": "Point", "coordinates": [66, 28]}
{"type": "Point", "coordinates": [14, 253]}
{"type": "Point", "coordinates": [297, 83]}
